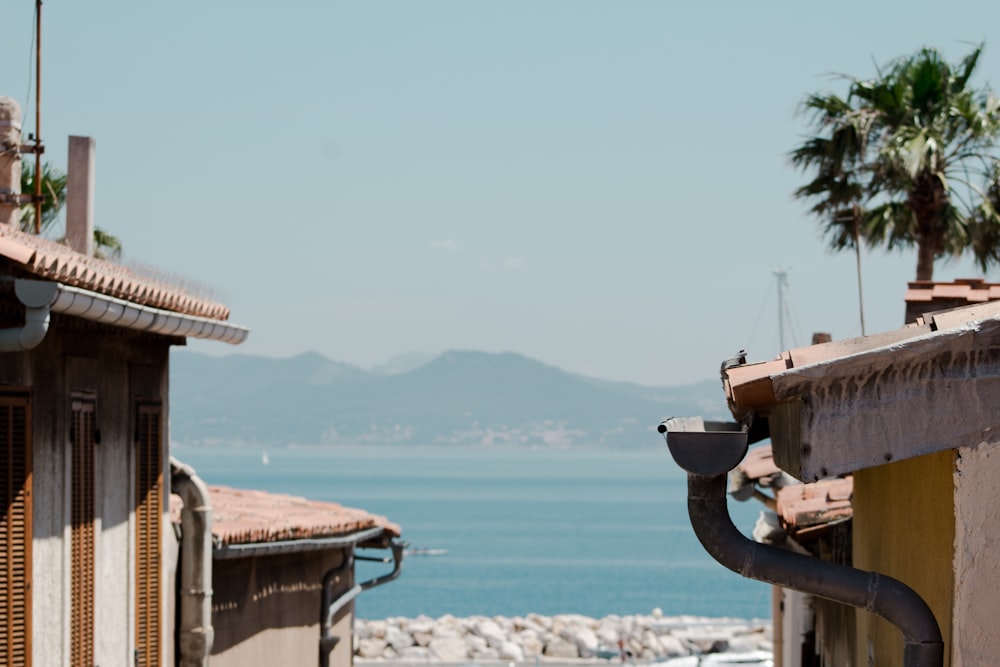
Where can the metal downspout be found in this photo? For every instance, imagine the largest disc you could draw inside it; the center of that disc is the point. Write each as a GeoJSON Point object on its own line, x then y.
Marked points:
{"type": "Point", "coordinates": [195, 631]}
{"type": "Point", "coordinates": [708, 456]}
{"type": "Point", "coordinates": [329, 606]}
{"type": "Point", "coordinates": [37, 298]}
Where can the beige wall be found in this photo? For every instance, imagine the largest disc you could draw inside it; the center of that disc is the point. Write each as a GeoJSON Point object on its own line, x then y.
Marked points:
{"type": "Point", "coordinates": [904, 526]}
{"type": "Point", "coordinates": [266, 610]}
{"type": "Point", "coordinates": [976, 615]}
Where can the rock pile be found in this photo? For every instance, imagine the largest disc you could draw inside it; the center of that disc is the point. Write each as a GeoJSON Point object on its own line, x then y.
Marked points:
{"type": "Point", "coordinates": [568, 636]}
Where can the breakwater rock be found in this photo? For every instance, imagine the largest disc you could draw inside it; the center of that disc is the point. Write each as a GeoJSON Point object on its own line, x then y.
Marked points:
{"type": "Point", "coordinates": [565, 637]}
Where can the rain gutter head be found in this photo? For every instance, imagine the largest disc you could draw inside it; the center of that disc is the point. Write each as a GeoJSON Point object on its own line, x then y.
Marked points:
{"type": "Point", "coordinates": [708, 451]}
{"type": "Point", "coordinates": [705, 447]}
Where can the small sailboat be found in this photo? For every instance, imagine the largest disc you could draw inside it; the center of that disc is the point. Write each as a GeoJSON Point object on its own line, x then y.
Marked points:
{"type": "Point", "coordinates": [264, 459]}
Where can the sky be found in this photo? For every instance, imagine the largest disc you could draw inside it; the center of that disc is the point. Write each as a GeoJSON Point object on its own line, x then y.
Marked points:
{"type": "Point", "coordinates": [601, 186]}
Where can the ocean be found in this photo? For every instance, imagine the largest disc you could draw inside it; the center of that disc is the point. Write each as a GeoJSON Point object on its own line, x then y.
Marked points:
{"type": "Point", "coordinates": [551, 531]}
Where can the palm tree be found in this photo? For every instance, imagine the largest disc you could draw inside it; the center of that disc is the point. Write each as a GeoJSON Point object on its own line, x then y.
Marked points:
{"type": "Point", "coordinates": [53, 195]}
{"type": "Point", "coordinates": [908, 158]}
{"type": "Point", "coordinates": [106, 246]}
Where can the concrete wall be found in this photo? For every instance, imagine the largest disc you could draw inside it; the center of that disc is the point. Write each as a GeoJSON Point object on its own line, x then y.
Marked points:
{"type": "Point", "coordinates": [904, 526]}
{"type": "Point", "coordinates": [117, 366]}
{"type": "Point", "coordinates": [977, 557]}
{"type": "Point", "coordinates": [266, 610]}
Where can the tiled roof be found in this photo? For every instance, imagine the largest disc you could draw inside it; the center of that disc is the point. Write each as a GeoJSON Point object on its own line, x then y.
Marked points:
{"type": "Point", "coordinates": [807, 510]}
{"type": "Point", "coordinates": [252, 517]}
{"type": "Point", "coordinates": [970, 290]}
{"type": "Point", "coordinates": [55, 261]}
{"type": "Point", "coordinates": [750, 386]}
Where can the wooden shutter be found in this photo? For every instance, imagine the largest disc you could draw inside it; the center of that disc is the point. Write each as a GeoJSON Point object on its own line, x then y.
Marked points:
{"type": "Point", "coordinates": [15, 529]}
{"type": "Point", "coordinates": [148, 522]}
{"type": "Point", "coordinates": [83, 440]}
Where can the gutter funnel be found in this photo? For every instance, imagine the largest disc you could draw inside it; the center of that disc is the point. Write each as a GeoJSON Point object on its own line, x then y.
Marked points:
{"type": "Point", "coordinates": [37, 298]}
{"type": "Point", "coordinates": [707, 451]}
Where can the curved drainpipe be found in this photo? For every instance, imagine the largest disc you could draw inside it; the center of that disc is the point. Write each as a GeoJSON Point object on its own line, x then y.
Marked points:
{"type": "Point", "coordinates": [195, 631]}
{"type": "Point", "coordinates": [707, 456]}
{"type": "Point", "coordinates": [37, 298]}
{"type": "Point", "coordinates": [330, 606]}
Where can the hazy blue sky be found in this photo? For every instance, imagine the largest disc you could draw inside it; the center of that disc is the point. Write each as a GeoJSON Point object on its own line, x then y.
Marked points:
{"type": "Point", "coordinates": [602, 186]}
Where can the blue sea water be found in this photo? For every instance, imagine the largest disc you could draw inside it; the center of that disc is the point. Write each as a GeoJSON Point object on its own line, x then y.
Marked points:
{"type": "Point", "coordinates": [593, 532]}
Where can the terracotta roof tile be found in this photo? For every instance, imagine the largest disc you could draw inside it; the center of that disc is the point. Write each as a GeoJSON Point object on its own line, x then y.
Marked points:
{"type": "Point", "coordinates": [750, 387]}
{"type": "Point", "coordinates": [970, 290]}
{"type": "Point", "coordinates": [806, 509]}
{"type": "Point", "coordinates": [55, 261]}
{"type": "Point", "coordinates": [759, 465]}
{"type": "Point", "coordinates": [243, 516]}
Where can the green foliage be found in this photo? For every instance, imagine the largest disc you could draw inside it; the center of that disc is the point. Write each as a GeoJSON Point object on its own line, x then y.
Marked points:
{"type": "Point", "coordinates": [106, 246]}
{"type": "Point", "coordinates": [53, 195]}
{"type": "Point", "coordinates": [908, 158]}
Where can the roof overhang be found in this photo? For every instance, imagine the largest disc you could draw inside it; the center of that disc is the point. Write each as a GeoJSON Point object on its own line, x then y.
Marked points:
{"type": "Point", "coordinates": [97, 307]}
{"type": "Point", "coordinates": [840, 407]}
{"type": "Point", "coordinates": [376, 534]}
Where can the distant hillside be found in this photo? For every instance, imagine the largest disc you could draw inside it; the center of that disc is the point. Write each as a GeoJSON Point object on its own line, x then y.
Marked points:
{"type": "Point", "coordinates": [457, 398]}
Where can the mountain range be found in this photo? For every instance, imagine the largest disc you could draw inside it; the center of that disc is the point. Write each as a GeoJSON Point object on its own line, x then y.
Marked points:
{"type": "Point", "coordinates": [458, 397]}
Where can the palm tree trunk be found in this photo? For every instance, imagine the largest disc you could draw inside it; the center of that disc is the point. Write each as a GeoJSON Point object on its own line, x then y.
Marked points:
{"type": "Point", "coordinates": [925, 260]}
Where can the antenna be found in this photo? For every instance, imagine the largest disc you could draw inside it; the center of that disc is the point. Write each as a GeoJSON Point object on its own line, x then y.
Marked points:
{"type": "Point", "coordinates": [782, 277]}
{"type": "Point", "coordinates": [38, 117]}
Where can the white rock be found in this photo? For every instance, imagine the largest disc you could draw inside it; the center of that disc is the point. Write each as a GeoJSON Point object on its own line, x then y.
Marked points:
{"type": "Point", "coordinates": [489, 630]}
{"type": "Point", "coordinates": [474, 644]}
{"type": "Point", "coordinates": [398, 639]}
{"type": "Point", "coordinates": [672, 646]}
{"type": "Point", "coordinates": [561, 648]}
{"type": "Point", "coordinates": [421, 625]}
{"type": "Point", "coordinates": [373, 629]}
{"type": "Point", "coordinates": [449, 628]}
{"type": "Point", "coordinates": [652, 642]}
{"type": "Point", "coordinates": [371, 647]}
{"type": "Point", "coordinates": [586, 640]}
{"type": "Point", "coordinates": [421, 638]}
{"type": "Point", "coordinates": [449, 649]}
{"type": "Point", "coordinates": [511, 651]}
{"type": "Point", "coordinates": [531, 645]}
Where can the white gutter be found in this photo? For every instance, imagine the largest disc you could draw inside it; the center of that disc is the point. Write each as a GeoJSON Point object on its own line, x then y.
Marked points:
{"type": "Point", "coordinates": [42, 297]}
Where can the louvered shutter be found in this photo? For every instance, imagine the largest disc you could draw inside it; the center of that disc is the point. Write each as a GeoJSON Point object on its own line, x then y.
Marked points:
{"type": "Point", "coordinates": [149, 501]}
{"type": "Point", "coordinates": [15, 529]}
{"type": "Point", "coordinates": [82, 435]}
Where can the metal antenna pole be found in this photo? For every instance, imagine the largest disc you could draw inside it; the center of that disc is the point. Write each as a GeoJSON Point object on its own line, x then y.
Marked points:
{"type": "Point", "coordinates": [781, 276]}
{"type": "Point", "coordinates": [38, 116]}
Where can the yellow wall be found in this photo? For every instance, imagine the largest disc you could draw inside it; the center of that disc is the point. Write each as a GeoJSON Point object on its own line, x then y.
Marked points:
{"type": "Point", "coordinates": [904, 526]}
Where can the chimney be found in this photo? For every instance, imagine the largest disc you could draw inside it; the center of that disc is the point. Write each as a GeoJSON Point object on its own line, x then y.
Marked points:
{"type": "Point", "coordinates": [80, 195]}
{"type": "Point", "coordinates": [10, 162]}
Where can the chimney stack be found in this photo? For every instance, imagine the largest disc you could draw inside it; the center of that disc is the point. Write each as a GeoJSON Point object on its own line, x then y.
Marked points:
{"type": "Point", "coordinates": [80, 195]}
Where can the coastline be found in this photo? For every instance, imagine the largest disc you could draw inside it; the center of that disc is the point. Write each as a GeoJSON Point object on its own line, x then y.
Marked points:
{"type": "Point", "coordinates": [561, 639]}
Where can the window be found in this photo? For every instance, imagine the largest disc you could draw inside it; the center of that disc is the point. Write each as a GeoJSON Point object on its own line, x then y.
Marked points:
{"type": "Point", "coordinates": [83, 437]}
{"type": "Point", "coordinates": [15, 528]}
{"type": "Point", "coordinates": [148, 518]}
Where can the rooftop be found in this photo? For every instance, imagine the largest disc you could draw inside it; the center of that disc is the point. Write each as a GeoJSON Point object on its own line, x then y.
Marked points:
{"type": "Point", "coordinates": [42, 258]}
{"type": "Point", "coordinates": [242, 516]}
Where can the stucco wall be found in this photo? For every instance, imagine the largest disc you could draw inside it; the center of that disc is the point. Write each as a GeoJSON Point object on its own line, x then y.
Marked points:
{"type": "Point", "coordinates": [904, 526]}
{"type": "Point", "coordinates": [977, 557]}
{"type": "Point", "coordinates": [117, 366]}
{"type": "Point", "coordinates": [266, 610]}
